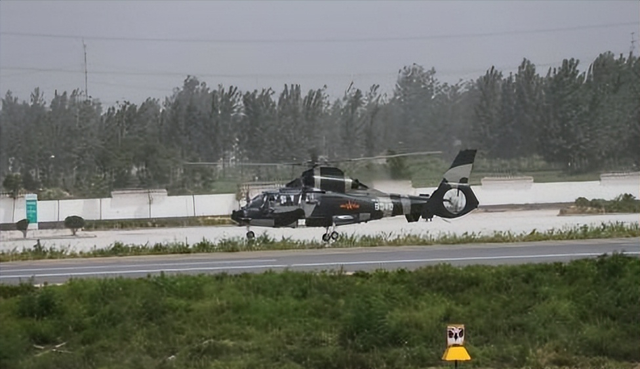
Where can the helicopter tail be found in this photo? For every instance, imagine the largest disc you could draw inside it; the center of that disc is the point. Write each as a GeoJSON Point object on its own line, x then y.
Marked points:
{"type": "Point", "coordinates": [454, 197]}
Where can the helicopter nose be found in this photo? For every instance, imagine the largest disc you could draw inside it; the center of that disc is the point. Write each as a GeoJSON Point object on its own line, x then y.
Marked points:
{"type": "Point", "coordinates": [237, 215]}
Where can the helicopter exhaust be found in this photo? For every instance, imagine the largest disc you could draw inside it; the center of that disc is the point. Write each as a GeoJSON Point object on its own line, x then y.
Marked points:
{"type": "Point", "coordinates": [453, 198]}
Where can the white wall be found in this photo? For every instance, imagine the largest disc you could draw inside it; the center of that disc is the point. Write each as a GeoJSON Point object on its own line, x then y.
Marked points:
{"type": "Point", "coordinates": [509, 191]}
{"type": "Point", "coordinates": [131, 206]}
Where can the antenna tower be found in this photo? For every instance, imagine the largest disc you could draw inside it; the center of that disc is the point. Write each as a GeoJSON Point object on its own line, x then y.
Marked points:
{"type": "Point", "coordinates": [632, 48]}
{"type": "Point", "coordinates": [86, 88]}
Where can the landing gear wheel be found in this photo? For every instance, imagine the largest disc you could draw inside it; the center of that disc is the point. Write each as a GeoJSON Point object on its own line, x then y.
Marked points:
{"type": "Point", "coordinates": [250, 235]}
{"type": "Point", "coordinates": [326, 237]}
{"type": "Point", "coordinates": [335, 235]}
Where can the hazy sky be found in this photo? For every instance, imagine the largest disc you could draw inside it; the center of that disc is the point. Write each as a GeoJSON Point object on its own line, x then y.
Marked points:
{"type": "Point", "coordinates": [140, 49]}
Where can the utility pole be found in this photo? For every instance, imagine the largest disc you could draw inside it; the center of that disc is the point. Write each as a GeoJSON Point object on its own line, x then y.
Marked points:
{"type": "Point", "coordinates": [86, 88]}
{"type": "Point", "coordinates": [632, 48]}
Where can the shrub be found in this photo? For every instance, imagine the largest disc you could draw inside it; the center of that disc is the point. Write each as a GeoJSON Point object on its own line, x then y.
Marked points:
{"type": "Point", "coordinates": [582, 202]}
{"type": "Point", "coordinates": [74, 223]}
{"type": "Point", "coordinates": [22, 226]}
{"type": "Point", "coordinates": [625, 203]}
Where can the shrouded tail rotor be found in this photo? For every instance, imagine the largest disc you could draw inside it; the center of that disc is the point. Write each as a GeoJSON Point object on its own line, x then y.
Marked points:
{"type": "Point", "coordinates": [454, 197]}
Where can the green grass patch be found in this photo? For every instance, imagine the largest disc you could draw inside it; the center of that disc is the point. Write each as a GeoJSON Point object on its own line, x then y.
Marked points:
{"type": "Point", "coordinates": [581, 314]}
{"type": "Point", "coordinates": [265, 242]}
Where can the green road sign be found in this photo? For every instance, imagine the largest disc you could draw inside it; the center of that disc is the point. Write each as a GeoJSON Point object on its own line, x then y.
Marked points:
{"type": "Point", "coordinates": [32, 207]}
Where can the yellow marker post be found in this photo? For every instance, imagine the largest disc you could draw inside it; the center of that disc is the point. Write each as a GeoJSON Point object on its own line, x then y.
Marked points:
{"type": "Point", "coordinates": [455, 350]}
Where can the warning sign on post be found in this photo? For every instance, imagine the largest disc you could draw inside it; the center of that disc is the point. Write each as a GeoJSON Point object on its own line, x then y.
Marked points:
{"type": "Point", "coordinates": [455, 335]}
{"type": "Point", "coordinates": [455, 340]}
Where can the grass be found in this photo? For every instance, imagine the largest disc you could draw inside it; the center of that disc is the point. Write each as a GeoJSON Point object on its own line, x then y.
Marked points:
{"type": "Point", "coordinates": [266, 242]}
{"type": "Point", "coordinates": [581, 314]}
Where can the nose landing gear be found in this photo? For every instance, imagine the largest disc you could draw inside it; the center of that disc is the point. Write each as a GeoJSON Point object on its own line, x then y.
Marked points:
{"type": "Point", "coordinates": [250, 234]}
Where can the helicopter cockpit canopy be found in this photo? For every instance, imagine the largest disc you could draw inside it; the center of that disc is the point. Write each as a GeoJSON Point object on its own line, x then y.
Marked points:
{"type": "Point", "coordinates": [273, 199]}
{"type": "Point", "coordinates": [256, 201]}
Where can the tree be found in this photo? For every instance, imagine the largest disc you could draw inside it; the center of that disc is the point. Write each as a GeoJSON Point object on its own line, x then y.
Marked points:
{"type": "Point", "coordinates": [13, 183]}
{"type": "Point", "coordinates": [371, 119]}
{"type": "Point", "coordinates": [256, 124]}
{"type": "Point", "coordinates": [564, 137]}
{"type": "Point", "coordinates": [632, 98]}
{"type": "Point", "coordinates": [294, 131]}
{"type": "Point", "coordinates": [118, 144]}
{"type": "Point", "coordinates": [413, 100]}
{"type": "Point", "coordinates": [12, 140]}
{"type": "Point", "coordinates": [351, 122]}
{"type": "Point", "coordinates": [612, 106]}
{"type": "Point", "coordinates": [453, 112]}
{"type": "Point", "coordinates": [527, 109]}
{"type": "Point", "coordinates": [486, 128]}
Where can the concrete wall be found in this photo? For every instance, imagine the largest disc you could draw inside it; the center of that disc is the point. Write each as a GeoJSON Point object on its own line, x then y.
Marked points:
{"type": "Point", "coordinates": [132, 206]}
{"type": "Point", "coordinates": [525, 191]}
{"type": "Point", "coordinates": [156, 204]}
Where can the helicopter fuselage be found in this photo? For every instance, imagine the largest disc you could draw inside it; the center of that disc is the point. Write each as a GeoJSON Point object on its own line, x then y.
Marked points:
{"type": "Point", "coordinates": [317, 208]}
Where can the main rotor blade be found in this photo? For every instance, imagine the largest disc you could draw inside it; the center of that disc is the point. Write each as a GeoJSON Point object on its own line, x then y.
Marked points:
{"type": "Point", "coordinates": [319, 162]}
{"type": "Point", "coordinates": [211, 163]}
{"type": "Point", "coordinates": [391, 156]}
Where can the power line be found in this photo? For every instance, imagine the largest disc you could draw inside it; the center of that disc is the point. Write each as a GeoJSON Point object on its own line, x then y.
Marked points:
{"type": "Point", "coordinates": [321, 40]}
{"type": "Point", "coordinates": [182, 74]}
{"type": "Point", "coordinates": [260, 75]}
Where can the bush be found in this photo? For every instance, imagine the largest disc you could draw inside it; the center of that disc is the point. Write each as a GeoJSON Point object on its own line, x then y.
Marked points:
{"type": "Point", "coordinates": [74, 223]}
{"type": "Point", "coordinates": [22, 226]}
{"type": "Point", "coordinates": [625, 203]}
{"type": "Point", "coordinates": [582, 202]}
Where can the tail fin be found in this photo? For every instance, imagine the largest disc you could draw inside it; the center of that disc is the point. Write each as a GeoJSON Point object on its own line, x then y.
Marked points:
{"type": "Point", "coordinates": [454, 197]}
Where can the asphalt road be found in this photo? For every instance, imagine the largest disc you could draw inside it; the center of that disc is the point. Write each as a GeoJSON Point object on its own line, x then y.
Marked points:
{"type": "Point", "coordinates": [349, 260]}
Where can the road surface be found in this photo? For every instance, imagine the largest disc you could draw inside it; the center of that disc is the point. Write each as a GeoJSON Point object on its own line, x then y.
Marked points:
{"type": "Point", "coordinates": [349, 260]}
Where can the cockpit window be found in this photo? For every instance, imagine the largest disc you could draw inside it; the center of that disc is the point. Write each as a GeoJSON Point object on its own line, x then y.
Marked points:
{"type": "Point", "coordinates": [275, 199]}
{"type": "Point", "coordinates": [256, 202]}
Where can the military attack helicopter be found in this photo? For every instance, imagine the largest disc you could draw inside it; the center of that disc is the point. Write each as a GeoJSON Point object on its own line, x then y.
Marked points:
{"type": "Point", "coordinates": [324, 197]}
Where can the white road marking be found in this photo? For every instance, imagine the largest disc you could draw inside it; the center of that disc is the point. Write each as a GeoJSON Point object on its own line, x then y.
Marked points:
{"type": "Point", "coordinates": [336, 263]}
{"type": "Point", "coordinates": [149, 265]}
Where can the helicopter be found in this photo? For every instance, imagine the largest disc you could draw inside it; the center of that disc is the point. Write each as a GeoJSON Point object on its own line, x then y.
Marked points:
{"type": "Point", "coordinates": [323, 196]}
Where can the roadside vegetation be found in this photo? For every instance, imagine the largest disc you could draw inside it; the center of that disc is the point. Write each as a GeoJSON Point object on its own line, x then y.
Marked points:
{"type": "Point", "coordinates": [266, 242]}
{"type": "Point", "coordinates": [581, 314]}
{"type": "Point", "coordinates": [625, 203]}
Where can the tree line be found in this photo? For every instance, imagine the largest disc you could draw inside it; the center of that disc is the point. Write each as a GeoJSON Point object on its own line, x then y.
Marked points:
{"type": "Point", "coordinates": [578, 120]}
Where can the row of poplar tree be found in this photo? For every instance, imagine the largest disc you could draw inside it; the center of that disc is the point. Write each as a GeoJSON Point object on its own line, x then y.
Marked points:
{"type": "Point", "coordinates": [579, 120]}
